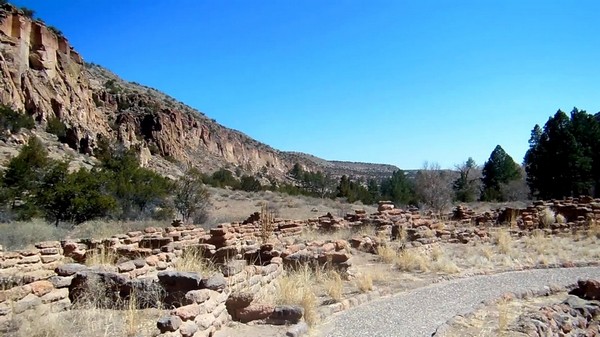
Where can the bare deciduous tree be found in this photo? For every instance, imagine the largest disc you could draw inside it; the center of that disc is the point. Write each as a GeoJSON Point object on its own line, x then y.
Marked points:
{"type": "Point", "coordinates": [191, 197]}
{"type": "Point", "coordinates": [434, 187]}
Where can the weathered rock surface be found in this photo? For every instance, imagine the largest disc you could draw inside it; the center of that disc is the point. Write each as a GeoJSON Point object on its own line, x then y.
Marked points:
{"type": "Point", "coordinates": [42, 75]}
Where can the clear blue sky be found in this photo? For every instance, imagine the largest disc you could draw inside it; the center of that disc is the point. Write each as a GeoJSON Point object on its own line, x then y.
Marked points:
{"type": "Point", "coordinates": [397, 82]}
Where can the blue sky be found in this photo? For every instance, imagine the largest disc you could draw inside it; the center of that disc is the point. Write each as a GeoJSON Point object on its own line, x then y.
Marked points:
{"type": "Point", "coordinates": [386, 81]}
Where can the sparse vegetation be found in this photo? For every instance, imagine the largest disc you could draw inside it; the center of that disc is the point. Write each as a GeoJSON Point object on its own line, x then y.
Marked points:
{"type": "Point", "coordinates": [266, 223]}
{"type": "Point", "coordinates": [298, 287]}
{"type": "Point", "coordinates": [30, 13]}
{"type": "Point", "coordinates": [191, 197]}
{"type": "Point", "coordinates": [547, 218]}
{"type": "Point", "coordinates": [56, 31]}
{"type": "Point", "coordinates": [364, 282]}
{"type": "Point", "coordinates": [12, 121]}
{"type": "Point", "coordinates": [101, 257]}
{"type": "Point", "coordinates": [503, 241]}
{"type": "Point", "coordinates": [57, 127]}
{"type": "Point", "coordinates": [193, 260]}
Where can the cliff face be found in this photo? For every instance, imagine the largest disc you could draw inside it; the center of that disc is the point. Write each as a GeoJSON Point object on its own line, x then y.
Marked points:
{"type": "Point", "coordinates": [42, 75]}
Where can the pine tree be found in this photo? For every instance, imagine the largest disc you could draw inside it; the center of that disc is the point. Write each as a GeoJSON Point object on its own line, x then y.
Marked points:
{"type": "Point", "coordinates": [563, 159]}
{"type": "Point", "coordinates": [500, 169]}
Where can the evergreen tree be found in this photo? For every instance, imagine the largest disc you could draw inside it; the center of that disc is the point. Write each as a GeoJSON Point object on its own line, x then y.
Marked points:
{"type": "Point", "coordinates": [74, 197]}
{"type": "Point", "coordinates": [398, 189]}
{"type": "Point", "coordinates": [563, 159]}
{"type": "Point", "coordinates": [134, 187]}
{"type": "Point", "coordinates": [23, 172]}
{"type": "Point", "coordinates": [500, 169]}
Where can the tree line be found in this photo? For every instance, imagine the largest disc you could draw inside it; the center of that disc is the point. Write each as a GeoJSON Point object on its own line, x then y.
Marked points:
{"type": "Point", "coordinates": [34, 185]}
{"type": "Point", "coordinates": [563, 159]}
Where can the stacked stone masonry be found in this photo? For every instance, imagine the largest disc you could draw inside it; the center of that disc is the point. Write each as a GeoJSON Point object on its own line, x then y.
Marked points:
{"type": "Point", "coordinates": [41, 278]}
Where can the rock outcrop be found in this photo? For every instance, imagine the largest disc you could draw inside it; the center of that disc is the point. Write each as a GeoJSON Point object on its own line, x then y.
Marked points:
{"type": "Point", "coordinates": [42, 75]}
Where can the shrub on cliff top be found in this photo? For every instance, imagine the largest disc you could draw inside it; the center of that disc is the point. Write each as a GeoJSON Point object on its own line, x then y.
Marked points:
{"type": "Point", "coordinates": [27, 12]}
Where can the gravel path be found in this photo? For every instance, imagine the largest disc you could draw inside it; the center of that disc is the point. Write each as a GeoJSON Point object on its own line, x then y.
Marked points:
{"type": "Point", "coordinates": [419, 312]}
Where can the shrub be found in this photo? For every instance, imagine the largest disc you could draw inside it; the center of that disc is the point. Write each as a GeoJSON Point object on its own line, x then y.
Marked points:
{"type": "Point", "coordinates": [222, 178]}
{"type": "Point", "coordinates": [27, 12]}
{"type": "Point", "coordinates": [57, 127]}
{"type": "Point", "coordinates": [24, 171]}
{"type": "Point", "coordinates": [250, 184]}
{"type": "Point", "coordinates": [135, 188]}
{"type": "Point", "coordinates": [55, 31]}
{"type": "Point", "coordinates": [12, 121]}
{"type": "Point", "coordinates": [112, 86]}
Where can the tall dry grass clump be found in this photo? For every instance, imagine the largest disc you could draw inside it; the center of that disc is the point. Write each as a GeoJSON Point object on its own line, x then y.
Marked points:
{"type": "Point", "coordinates": [593, 228]}
{"type": "Point", "coordinates": [102, 256]}
{"type": "Point", "coordinates": [386, 253]}
{"type": "Point", "coordinates": [442, 263]}
{"type": "Point", "coordinates": [298, 287]}
{"type": "Point", "coordinates": [503, 318]}
{"type": "Point", "coordinates": [546, 218]}
{"type": "Point", "coordinates": [334, 285]}
{"type": "Point", "coordinates": [503, 241]}
{"type": "Point", "coordinates": [192, 260]}
{"type": "Point", "coordinates": [410, 260]}
{"type": "Point", "coordinates": [364, 282]}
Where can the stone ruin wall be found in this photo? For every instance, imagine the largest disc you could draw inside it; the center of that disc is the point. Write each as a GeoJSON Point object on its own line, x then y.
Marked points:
{"type": "Point", "coordinates": [32, 279]}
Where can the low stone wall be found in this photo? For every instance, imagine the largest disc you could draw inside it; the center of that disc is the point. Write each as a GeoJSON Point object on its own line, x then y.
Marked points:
{"type": "Point", "coordinates": [36, 278]}
{"type": "Point", "coordinates": [204, 309]}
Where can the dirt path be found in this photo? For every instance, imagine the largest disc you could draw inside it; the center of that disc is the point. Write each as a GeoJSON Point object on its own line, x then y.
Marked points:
{"type": "Point", "coordinates": [419, 312]}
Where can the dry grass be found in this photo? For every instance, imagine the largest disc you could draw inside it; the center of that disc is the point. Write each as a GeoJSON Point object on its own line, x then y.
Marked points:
{"type": "Point", "coordinates": [91, 323]}
{"type": "Point", "coordinates": [298, 287]}
{"type": "Point", "coordinates": [503, 241]}
{"type": "Point", "coordinates": [334, 285]}
{"type": "Point", "coordinates": [410, 260]}
{"type": "Point", "coordinates": [593, 229]}
{"type": "Point", "coordinates": [503, 317]}
{"type": "Point", "coordinates": [442, 263]}
{"type": "Point", "coordinates": [18, 235]}
{"type": "Point", "coordinates": [227, 205]}
{"type": "Point", "coordinates": [387, 254]}
{"type": "Point", "coordinates": [266, 223]}
{"type": "Point", "coordinates": [132, 315]}
{"type": "Point", "coordinates": [364, 282]}
{"type": "Point", "coordinates": [310, 234]}
{"type": "Point", "coordinates": [403, 235]}
{"type": "Point", "coordinates": [192, 260]}
{"type": "Point", "coordinates": [547, 217]}
{"type": "Point", "coordinates": [101, 257]}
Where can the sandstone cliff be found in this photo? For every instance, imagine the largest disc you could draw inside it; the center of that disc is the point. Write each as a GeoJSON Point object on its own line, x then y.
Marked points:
{"type": "Point", "coordinates": [42, 75]}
